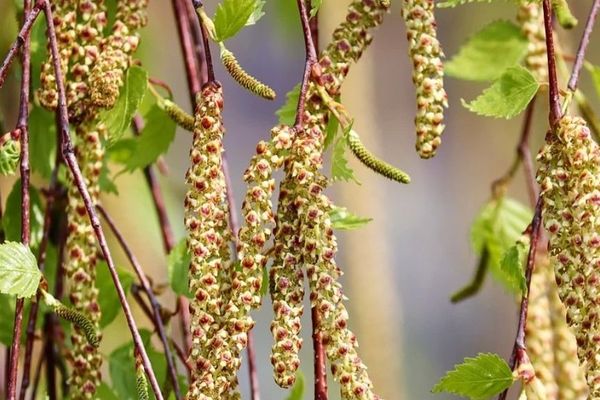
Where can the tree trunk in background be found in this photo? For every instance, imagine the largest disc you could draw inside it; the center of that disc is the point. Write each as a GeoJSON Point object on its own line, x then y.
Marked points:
{"type": "Point", "coordinates": [375, 313]}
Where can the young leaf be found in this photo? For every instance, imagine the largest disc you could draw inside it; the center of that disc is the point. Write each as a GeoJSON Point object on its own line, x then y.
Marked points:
{"type": "Point", "coordinates": [297, 391]}
{"type": "Point", "coordinates": [339, 164]}
{"type": "Point", "coordinates": [42, 143]}
{"type": "Point", "coordinates": [19, 272]}
{"type": "Point", "coordinates": [257, 14]}
{"type": "Point", "coordinates": [155, 139]}
{"type": "Point", "coordinates": [108, 298]}
{"type": "Point", "coordinates": [315, 5]}
{"type": "Point", "coordinates": [7, 305]}
{"type": "Point", "coordinates": [477, 378]}
{"type": "Point", "coordinates": [122, 361]}
{"type": "Point", "coordinates": [178, 263]}
{"type": "Point", "coordinates": [11, 220]}
{"type": "Point", "coordinates": [341, 218]}
{"type": "Point", "coordinates": [498, 226]}
{"type": "Point", "coordinates": [9, 157]}
{"type": "Point", "coordinates": [287, 112]}
{"type": "Point", "coordinates": [132, 93]}
{"type": "Point", "coordinates": [507, 96]}
{"type": "Point", "coordinates": [232, 15]}
{"type": "Point", "coordinates": [104, 392]}
{"type": "Point", "coordinates": [512, 267]}
{"type": "Point", "coordinates": [489, 52]}
{"type": "Point", "coordinates": [333, 126]}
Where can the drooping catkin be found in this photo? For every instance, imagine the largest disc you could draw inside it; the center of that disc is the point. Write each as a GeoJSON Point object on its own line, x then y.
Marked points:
{"type": "Point", "coordinates": [286, 286]}
{"type": "Point", "coordinates": [373, 162]}
{"type": "Point", "coordinates": [531, 19]}
{"type": "Point", "coordinates": [305, 183]}
{"type": "Point", "coordinates": [569, 174]}
{"type": "Point", "coordinates": [428, 73]}
{"type": "Point", "coordinates": [178, 115]}
{"type": "Point", "coordinates": [81, 259]}
{"type": "Point", "coordinates": [208, 242]}
{"type": "Point", "coordinates": [141, 382]}
{"type": "Point", "coordinates": [242, 77]}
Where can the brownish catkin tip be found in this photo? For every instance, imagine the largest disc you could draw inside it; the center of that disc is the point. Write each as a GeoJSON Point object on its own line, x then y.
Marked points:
{"type": "Point", "coordinates": [245, 79]}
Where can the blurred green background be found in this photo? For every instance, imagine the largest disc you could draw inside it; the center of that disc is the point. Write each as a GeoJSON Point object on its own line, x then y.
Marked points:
{"type": "Point", "coordinates": [401, 269]}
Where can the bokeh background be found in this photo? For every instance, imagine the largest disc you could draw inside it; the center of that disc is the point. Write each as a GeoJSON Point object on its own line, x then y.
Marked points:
{"type": "Point", "coordinates": [399, 270]}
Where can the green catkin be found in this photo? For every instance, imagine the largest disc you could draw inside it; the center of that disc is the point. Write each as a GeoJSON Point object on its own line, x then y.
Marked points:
{"type": "Point", "coordinates": [563, 14]}
{"type": "Point", "coordinates": [243, 78]}
{"type": "Point", "coordinates": [372, 162]}
{"type": "Point", "coordinates": [80, 321]}
{"type": "Point", "coordinates": [569, 177]}
{"type": "Point", "coordinates": [428, 74]}
{"type": "Point", "coordinates": [141, 382]}
{"type": "Point", "coordinates": [178, 115]}
{"type": "Point", "coordinates": [531, 20]}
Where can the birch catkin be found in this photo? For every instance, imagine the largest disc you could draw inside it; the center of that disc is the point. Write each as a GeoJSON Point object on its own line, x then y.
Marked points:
{"type": "Point", "coordinates": [428, 73]}
{"type": "Point", "coordinates": [208, 242]}
{"type": "Point", "coordinates": [531, 19]}
{"type": "Point", "coordinates": [570, 188]}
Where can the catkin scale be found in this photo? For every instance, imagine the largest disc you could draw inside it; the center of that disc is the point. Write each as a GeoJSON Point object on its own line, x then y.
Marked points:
{"type": "Point", "coordinates": [372, 162]}
{"type": "Point", "coordinates": [246, 80]}
{"type": "Point", "coordinates": [428, 73]}
{"type": "Point", "coordinates": [569, 176]}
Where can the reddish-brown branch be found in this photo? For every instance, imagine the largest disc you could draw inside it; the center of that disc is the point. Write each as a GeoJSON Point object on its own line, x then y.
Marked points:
{"type": "Point", "coordinates": [156, 316]}
{"type": "Point", "coordinates": [70, 160]}
{"type": "Point", "coordinates": [23, 127]}
{"type": "Point", "coordinates": [311, 59]}
{"type": "Point", "coordinates": [519, 347]}
{"type": "Point", "coordinates": [555, 111]}
{"type": "Point", "coordinates": [30, 18]}
{"type": "Point", "coordinates": [583, 44]}
{"type": "Point", "coordinates": [207, 60]}
{"type": "Point", "coordinates": [185, 41]}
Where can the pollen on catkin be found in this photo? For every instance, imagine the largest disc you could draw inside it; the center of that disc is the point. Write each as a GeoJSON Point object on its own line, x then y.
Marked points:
{"type": "Point", "coordinates": [178, 115]}
{"type": "Point", "coordinates": [372, 162]}
{"type": "Point", "coordinates": [428, 74]}
{"type": "Point", "coordinates": [569, 177]}
{"type": "Point", "coordinates": [531, 20]}
{"type": "Point", "coordinates": [242, 77]}
{"type": "Point", "coordinates": [209, 236]}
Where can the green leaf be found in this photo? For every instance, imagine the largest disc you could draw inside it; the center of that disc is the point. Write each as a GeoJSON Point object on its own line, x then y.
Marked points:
{"type": "Point", "coordinates": [178, 263]}
{"type": "Point", "coordinates": [315, 6]}
{"type": "Point", "coordinates": [297, 391]}
{"type": "Point", "coordinates": [498, 226]}
{"type": "Point", "coordinates": [232, 15]}
{"type": "Point", "coordinates": [507, 96]}
{"type": "Point", "coordinates": [333, 126]}
{"type": "Point", "coordinates": [121, 363]}
{"type": "Point", "coordinates": [19, 272]}
{"type": "Point", "coordinates": [118, 118]}
{"type": "Point", "coordinates": [339, 164]}
{"type": "Point", "coordinates": [104, 392]}
{"type": "Point", "coordinates": [154, 140]}
{"type": "Point", "coordinates": [477, 378]}
{"type": "Point", "coordinates": [108, 298]}
{"type": "Point", "coordinates": [512, 267]}
{"type": "Point", "coordinates": [257, 14]}
{"type": "Point", "coordinates": [341, 218]}
{"type": "Point", "coordinates": [11, 220]}
{"type": "Point", "coordinates": [489, 52]}
{"type": "Point", "coordinates": [42, 141]}
{"type": "Point", "coordinates": [595, 73]}
{"type": "Point", "coordinates": [7, 305]}
{"type": "Point", "coordinates": [454, 3]}
{"type": "Point", "coordinates": [287, 112]}
{"type": "Point", "coordinates": [9, 157]}
{"type": "Point", "coordinates": [105, 181]}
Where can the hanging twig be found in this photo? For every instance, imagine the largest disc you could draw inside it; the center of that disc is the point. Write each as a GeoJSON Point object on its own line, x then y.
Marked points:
{"type": "Point", "coordinates": [156, 316]}
{"type": "Point", "coordinates": [23, 126]}
{"type": "Point", "coordinates": [71, 161]}
{"type": "Point", "coordinates": [555, 111]}
{"type": "Point", "coordinates": [583, 44]}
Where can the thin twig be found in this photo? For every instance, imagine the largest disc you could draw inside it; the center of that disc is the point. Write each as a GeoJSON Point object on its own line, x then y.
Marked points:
{"type": "Point", "coordinates": [311, 60]}
{"type": "Point", "coordinates": [156, 316]}
{"type": "Point", "coordinates": [30, 17]}
{"type": "Point", "coordinates": [555, 111]}
{"type": "Point", "coordinates": [71, 161]}
{"type": "Point", "coordinates": [207, 61]}
{"type": "Point", "coordinates": [519, 347]}
{"type": "Point", "coordinates": [583, 44]}
{"type": "Point", "coordinates": [185, 41]}
{"type": "Point", "coordinates": [23, 126]}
